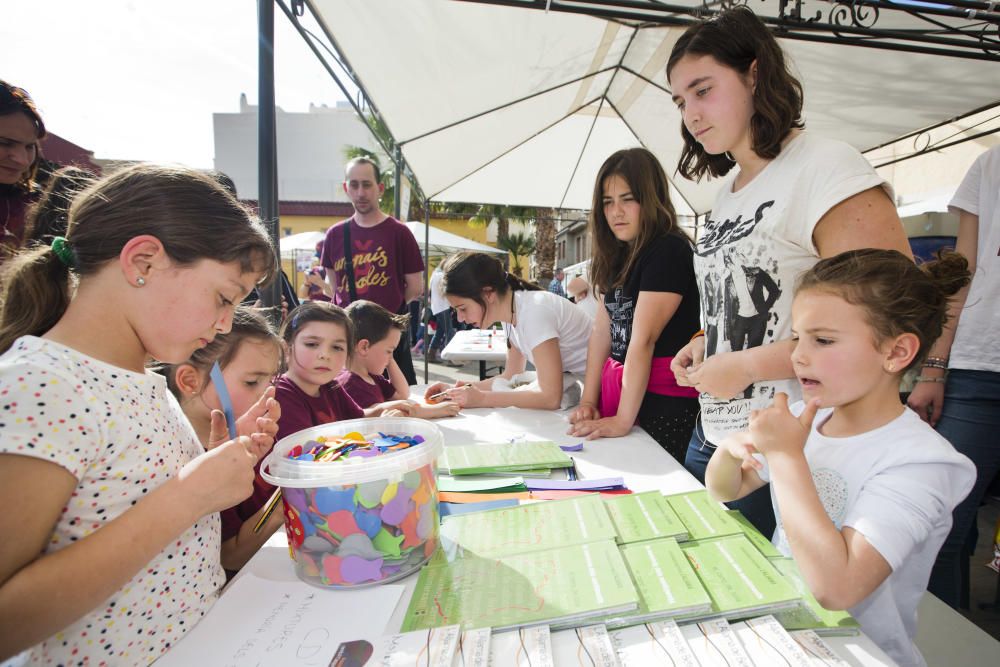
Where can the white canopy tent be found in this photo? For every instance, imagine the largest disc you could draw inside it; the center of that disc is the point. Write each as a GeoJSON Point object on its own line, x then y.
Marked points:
{"type": "Point", "coordinates": [509, 105]}
{"type": "Point", "coordinates": [293, 245]}
{"type": "Point", "coordinates": [436, 242]}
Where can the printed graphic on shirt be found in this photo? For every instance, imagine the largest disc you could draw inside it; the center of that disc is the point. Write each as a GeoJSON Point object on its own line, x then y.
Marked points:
{"type": "Point", "coordinates": [739, 289]}
{"type": "Point", "coordinates": [370, 267]}
{"type": "Point", "coordinates": [620, 311]}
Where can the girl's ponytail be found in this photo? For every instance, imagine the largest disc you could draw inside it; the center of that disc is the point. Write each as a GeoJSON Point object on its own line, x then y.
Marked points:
{"type": "Point", "coordinates": [36, 291]}
{"type": "Point", "coordinates": [518, 283]}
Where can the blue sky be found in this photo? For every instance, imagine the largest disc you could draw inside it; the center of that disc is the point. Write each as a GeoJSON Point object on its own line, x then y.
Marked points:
{"type": "Point", "coordinates": [140, 79]}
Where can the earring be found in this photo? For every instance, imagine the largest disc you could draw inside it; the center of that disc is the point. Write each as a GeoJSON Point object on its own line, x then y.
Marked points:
{"type": "Point", "coordinates": [140, 281]}
{"type": "Point", "coordinates": [729, 156]}
{"type": "Point", "coordinates": [892, 366]}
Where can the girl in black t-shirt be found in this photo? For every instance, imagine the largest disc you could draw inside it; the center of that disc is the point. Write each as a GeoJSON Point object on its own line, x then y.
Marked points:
{"type": "Point", "coordinates": [643, 266]}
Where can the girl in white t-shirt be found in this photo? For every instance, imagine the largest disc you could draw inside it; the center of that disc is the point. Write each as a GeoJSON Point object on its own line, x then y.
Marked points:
{"type": "Point", "coordinates": [862, 488]}
{"type": "Point", "coordinates": [787, 199]}
{"type": "Point", "coordinates": [542, 328]}
{"type": "Point", "coordinates": [111, 524]}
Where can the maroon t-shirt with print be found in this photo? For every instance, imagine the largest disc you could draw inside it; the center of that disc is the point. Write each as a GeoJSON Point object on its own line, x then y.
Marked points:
{"type": "Point", "coordinates": [382, 257]}
{"type": "Point", "coordinates": [299, 411]}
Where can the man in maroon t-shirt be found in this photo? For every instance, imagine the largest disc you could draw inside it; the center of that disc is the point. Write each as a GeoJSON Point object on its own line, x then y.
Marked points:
{"type": "Point", "coordinates": [388, 268]}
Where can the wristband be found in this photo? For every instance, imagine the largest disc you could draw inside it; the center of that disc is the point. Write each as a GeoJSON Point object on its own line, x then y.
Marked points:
{"type": "Point", "coordinates": [927, 378]}
{"type": "Point", "coordinates": [698, 334]}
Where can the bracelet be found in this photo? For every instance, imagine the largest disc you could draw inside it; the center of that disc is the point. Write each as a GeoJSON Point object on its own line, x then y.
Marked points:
{"type": "Point", "coordinates": [698, 334]}
{"type": "Point", "coordinates": [936, 362]}
{"type": "Point", "coordinates": [927, 378]}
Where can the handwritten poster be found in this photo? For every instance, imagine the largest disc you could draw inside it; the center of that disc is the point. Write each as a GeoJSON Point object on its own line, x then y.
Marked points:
{"type": "Point", "coordinates": [258, 622]}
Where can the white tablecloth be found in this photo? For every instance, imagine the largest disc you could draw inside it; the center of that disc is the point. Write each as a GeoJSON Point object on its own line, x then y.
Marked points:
{"type": "Point", "coordinates": [476, 345]}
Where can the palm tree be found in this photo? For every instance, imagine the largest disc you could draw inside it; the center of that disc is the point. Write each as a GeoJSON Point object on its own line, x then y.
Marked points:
{"type": "Point", "coordinates": [545, 245]}
{"type": "Point", "coordinates": [518, 245]}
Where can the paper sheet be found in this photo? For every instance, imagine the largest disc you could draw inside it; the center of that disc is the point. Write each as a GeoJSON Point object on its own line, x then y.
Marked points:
{"type": "Point", "coordinates": [262, 622]}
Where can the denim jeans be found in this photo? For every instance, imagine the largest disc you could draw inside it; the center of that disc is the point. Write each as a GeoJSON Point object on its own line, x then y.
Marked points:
{"type": "Point", "coordinates": [756, 507]}
{"type": "Point", "coordinates": [970, 421]}
{"type": "Point", "coordinates": [444, 330]}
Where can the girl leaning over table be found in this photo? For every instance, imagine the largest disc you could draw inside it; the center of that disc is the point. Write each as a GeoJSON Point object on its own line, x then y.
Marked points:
{"type": "Point", "coordinates": [643, 266]}
{"type": "Point", "coordinates": [542, 328]}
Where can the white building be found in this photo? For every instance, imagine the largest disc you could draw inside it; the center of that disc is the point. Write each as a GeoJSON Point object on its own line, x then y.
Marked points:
{"type": "Point", "coordinates": [310, 150]}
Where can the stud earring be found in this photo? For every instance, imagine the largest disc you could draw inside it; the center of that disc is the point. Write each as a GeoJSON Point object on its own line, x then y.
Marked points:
{"type": "Point", "coordinates": [140, 281]}
{"type": "Point", "coordinates": [892, 366]}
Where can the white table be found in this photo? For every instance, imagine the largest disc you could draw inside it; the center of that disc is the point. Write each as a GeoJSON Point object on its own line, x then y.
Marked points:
{"type": "Point", "coordinates": [636, 457]}
{"type": "Point", "coordinates": [482, 345]}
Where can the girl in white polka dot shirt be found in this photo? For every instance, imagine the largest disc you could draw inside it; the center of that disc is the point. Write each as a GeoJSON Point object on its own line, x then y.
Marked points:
{"type": "Point", "coordinates": [110, 522]}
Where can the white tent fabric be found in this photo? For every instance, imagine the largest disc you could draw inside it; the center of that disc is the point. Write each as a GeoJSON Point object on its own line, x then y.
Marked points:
{"type": "Point", "coordinates": [295, 245]}
{"type": "Point", "coordinates": [446, 243]}
{"type": "Point", "coordinates": [506, 105]}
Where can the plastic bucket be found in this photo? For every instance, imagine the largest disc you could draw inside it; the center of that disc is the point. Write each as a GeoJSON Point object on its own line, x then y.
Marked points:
{"type": "Point", "coordinates": [359, 521]}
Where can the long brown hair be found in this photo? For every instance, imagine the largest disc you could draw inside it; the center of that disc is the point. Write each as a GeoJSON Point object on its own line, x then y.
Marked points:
{"type": "Point", "coordinates": [613, 260]}
{"type": "Point", "coordinates": [191, 215]}
{"type": "Point", "coordinates": [467, 274]}
{"type": "Point", "coordinates": [736, 38]}
{"type": "Point", "coordinates": [17, 100]}
{"type": "Point", "coordinates": [897, 295]}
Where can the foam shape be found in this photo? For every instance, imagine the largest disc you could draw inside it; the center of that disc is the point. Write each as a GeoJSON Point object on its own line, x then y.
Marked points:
{"type": "Point", "coordinates": [333, 567]}
{"type": "Point", "coordinates": [355, 569]}
{"type": "Point", "coordinates": [409, 528]}
{"type": "Point", "coordinates": [390, 492]}
{"type": "Point", "coordinates": [354, 436]}
{"type": "Point", "coordinates": [296, 498]}
{"type": "Point", "coordinates": [342, 523]}
{"type": "Point", "coordinates": [368, 521]}
{"type": "Point", "coordinates": [358, 545]}
{"type": "Point", "coordinates": [369, 494]}
{"type": "Point", "coordinates": [316, 544]}
{"type": "Point", "coordinates": [309, 566]}
{"type": "Point", "coordinates": [426, 523]}
{"type": "Point", "coordinates": [578, 447]}
{"type": "Point", "coordinates": [422, 494]}
{"type": "Point", "coordinates": [364, 453]}
{"type": "Point", "coordinates": [396, 509]}
{"type": "Point", "coordinates": [388, 544]}
{"type": "Point", "coordinates": [412, 479]}
{"type": "Point", "coordinates": [331, 499]}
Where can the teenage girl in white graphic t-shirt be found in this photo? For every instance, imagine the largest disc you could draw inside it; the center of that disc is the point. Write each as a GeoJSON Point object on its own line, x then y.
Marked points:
{"type": "Point", "coordinates": [788, 199]}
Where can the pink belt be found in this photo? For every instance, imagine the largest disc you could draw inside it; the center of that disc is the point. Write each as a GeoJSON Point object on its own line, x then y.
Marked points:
{"type": "Point", "coordinates": [661, 381]}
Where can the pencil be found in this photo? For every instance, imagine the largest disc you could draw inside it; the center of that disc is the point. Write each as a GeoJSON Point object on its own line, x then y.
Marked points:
{"type": "Point", "coordinates": [272, 504]}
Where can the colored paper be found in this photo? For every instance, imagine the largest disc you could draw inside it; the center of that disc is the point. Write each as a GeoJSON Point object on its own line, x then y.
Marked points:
{"type": "Point", "coordinates": [531, 527]}
{"type": "Point", "coordinates": [702, 516]}
{"type": "Point", "coordinates": [644, 516]}
{"type": "Point", "coordinates": [453, 509]}
{"type": "Point", "coordinates": [480, 485]}
{"type": "Point", "coordinates": [740, 581]}
{"type": "Point", "coordinates": [811, 615]}
{"type": "Point", "coordinates": [575, 484]}
{"type": "Point", "coordinates": [455, 497]}
{"type": "Point", "coordinates": [566, 584]}
{"type": "Point", "coordinates": [507, 457]}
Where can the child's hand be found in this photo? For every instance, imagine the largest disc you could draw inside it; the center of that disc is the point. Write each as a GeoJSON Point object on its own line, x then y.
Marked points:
{"type": "Point", "coordinates": [440, 388]}
{"type": "Point", "coordinates": [467, 396]}
{"type": "Point", "coordinates": [740, 447]}
{"type": "Point", "coordinates": [776, 430]}
{"type": "Point", "coordinates": [401, 408]}
{"type": "Point", "coordinates": [608, 427]}
{"type": "Point", "coordinates": [221, 477]}
{"type": "Point", "coordinates": [583, 412]}
{"type": "Point", "coordinates": [260, 422]}
{"type": "Point", "coordinates": [689, 358]}
{"type": "Point", "coordinates": [439, 411]}
{"type": "Point", "coordinates": [722, 375]}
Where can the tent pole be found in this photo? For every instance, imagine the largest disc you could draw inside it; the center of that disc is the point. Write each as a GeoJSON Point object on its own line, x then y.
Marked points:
{"type": "Point", "coordinates": [397, 195]}
{"type": "Point", "coordinates": [425, 298]}
{"type": "Point", "coordinates": [267, 159]}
